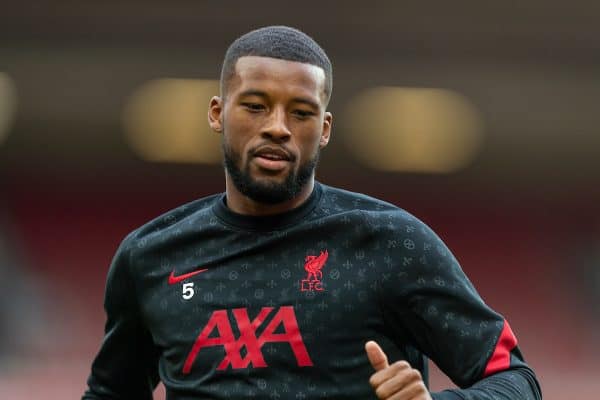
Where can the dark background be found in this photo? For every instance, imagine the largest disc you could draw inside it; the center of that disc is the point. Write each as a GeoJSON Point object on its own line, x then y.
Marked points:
{"type": "Point", "coordinates": [522, 215]}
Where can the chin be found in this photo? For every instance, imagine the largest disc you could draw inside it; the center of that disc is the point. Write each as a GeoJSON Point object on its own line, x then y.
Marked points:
{"type": "Point", "coordinates": [270, 181]}
{"type": "Point", "coordinates": [262, 175]}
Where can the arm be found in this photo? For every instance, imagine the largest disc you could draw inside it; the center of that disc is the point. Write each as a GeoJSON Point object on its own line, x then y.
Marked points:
{"type": "Point", "coordinates": [433, 305]}
{"type": "Point", "coordinates": [126, 365]}
{"type": "Point", "coordinates": [506, 385]}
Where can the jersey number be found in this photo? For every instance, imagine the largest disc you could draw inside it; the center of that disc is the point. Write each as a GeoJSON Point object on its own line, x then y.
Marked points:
{"type": "Point", "coordinates": [188, 290]}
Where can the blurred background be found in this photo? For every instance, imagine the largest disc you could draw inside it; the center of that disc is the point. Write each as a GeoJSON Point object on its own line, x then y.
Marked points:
{"type": "Point", "coordinates": [481, 118]}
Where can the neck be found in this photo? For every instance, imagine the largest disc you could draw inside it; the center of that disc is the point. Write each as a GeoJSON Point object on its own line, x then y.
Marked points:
{"type": "Point", "coordinates": [241, 204]}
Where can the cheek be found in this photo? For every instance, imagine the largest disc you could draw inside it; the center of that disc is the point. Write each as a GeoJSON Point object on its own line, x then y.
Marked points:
{"type": "Point", "coordinates": [238, 132]}
{"type": "Point", "coordinates": [309, 148]}
{"type": "Point", "coordinates": [309, 137]}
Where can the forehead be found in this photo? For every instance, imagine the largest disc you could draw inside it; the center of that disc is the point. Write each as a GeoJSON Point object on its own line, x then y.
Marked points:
{"type": "Point", "coordinates": [272, 74]}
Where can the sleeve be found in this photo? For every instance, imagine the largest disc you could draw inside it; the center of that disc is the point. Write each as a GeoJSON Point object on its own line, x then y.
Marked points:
{"type": "Point", "coordinates": [430, 302]}
{"type": "Point", "coordinates": [126, 367]}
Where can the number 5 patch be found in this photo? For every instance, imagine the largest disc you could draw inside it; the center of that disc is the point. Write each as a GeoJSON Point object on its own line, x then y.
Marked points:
{"type": "Point", "coordinates": [187, 290]}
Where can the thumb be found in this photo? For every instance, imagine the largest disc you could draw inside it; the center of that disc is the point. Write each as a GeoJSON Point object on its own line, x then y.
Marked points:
{"type": "Point", "coordinates": [376, 356]}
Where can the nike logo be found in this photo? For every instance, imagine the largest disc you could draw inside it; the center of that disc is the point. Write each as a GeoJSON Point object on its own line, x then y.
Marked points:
{"type": "Point", "coordinates": [176, 279]}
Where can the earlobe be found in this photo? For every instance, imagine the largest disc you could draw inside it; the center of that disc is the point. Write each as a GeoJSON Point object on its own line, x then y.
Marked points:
{"type": "Point", "coordinates": [215, 114]}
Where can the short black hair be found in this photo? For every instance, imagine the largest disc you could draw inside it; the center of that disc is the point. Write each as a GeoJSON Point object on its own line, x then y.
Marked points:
{"type": "Point", "coordinates": [282, 42]}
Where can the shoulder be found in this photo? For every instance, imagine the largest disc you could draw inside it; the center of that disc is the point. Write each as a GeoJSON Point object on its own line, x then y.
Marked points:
{"type": "Point", "coordinates": [400, 232]}
{"type": "Point", "coordinates": [175, 221]}
{"type": "Point", "coordinates": [352, 200]}
{"type": "Point", "coordinates": [372, 209]}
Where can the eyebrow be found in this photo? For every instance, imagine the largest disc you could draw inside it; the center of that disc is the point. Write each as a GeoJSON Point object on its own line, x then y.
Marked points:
{"type": "Point", "coordinates": [260, 93]}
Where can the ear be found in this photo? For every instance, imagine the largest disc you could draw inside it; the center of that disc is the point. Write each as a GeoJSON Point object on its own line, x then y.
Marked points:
{"type": "Point", "coordinates": [215, 114]}
{"type": "Point", "coordinates": [326, 133]}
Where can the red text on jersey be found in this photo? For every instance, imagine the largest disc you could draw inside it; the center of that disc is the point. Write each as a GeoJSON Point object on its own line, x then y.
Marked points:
{"type": "Point", "coordinates": [233, 346]}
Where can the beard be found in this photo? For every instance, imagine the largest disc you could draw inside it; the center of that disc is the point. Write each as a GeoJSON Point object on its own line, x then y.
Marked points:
{"type": "Point", "coordinates": [266, 192]}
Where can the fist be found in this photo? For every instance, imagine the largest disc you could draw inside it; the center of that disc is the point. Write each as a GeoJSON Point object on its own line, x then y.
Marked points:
{"type": "Point", "coordinates": [398, 381]}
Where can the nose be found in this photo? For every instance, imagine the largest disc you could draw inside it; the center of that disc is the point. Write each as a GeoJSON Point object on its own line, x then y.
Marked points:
{"type": "Point", "coordinates": [276, 127]}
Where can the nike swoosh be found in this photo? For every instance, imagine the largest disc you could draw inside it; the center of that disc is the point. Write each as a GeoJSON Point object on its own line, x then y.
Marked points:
{"type": "Point", "coordinates": [176, 279]}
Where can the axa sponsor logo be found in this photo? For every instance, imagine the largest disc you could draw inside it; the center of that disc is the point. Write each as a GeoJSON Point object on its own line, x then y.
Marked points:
{"type": "Point", "coordinates": [283, 321]}
{"type": "Point", "coordinates": [314, 278]}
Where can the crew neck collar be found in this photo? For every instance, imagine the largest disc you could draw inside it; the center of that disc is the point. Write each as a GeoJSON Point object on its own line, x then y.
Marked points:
{"type": "Point", "coordinates": [267, 223]}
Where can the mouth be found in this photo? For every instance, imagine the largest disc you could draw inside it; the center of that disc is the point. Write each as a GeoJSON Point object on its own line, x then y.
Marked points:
{"type": "Point", "coordinates": [272, 158]}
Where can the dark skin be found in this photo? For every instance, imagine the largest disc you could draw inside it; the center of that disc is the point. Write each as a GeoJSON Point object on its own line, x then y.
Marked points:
{"type": "Point", "coordinates": [273, 115]}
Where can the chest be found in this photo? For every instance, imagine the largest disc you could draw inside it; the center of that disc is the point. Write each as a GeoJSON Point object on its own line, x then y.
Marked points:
{"type": "Point", "coordinates": [275, 301]}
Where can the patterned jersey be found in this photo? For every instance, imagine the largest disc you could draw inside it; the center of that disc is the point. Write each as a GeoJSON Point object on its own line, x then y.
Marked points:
{"type": "Point", "coordinates": [218, 305]}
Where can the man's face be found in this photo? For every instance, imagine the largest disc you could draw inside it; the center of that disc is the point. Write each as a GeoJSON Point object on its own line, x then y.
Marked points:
{"type": "Point", "coordinates": [274, 124]}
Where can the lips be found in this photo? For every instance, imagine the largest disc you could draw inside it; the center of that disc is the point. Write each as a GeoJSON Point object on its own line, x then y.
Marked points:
{"type": "Point", "coordinates": [272, 158]}
{"type": "Point", "coordinates": [273, 153]}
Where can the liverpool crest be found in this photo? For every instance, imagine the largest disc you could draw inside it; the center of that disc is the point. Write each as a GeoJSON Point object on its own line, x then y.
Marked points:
{"type": "Point", "coordinates": [314, 277]}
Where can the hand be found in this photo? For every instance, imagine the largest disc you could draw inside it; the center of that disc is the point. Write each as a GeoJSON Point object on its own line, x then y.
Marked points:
{"type": "Point", "coordinates": [398, 381]}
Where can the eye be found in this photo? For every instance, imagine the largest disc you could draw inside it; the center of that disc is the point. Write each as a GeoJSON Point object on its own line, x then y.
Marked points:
{"type": "Point", "coordinates": [303, 114]}
{"type": "Point", "coordinates": [253, 107]}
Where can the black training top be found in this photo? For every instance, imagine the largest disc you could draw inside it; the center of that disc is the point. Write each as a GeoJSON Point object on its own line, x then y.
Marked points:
{"type": "Point", "coordinates": [219, 305]}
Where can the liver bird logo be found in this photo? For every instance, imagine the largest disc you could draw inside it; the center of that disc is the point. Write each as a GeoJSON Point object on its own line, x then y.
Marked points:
{"type": "Point", "coordinates": [314, 264]}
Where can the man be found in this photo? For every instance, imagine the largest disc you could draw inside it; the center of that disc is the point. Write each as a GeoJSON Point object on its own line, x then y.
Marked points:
{"type": "Point", "coordinates": [272, 289]}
